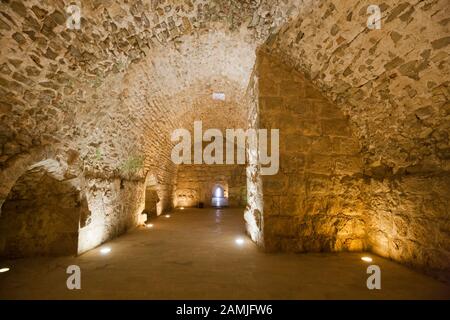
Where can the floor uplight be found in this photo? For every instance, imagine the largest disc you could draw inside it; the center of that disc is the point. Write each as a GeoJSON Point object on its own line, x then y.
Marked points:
{"type": "Point", "coordinates": [366, 259]}
{"type": "Point", "coordinates": [105, 250]}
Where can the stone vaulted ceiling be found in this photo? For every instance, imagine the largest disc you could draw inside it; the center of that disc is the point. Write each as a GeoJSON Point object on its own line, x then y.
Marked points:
{"type": "Point", "coordinates": [138, 69]}
{"type": "Point", "coordinates": [134, 71]}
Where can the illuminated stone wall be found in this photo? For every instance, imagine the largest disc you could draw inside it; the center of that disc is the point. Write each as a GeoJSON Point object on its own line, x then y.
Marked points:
{"type": "Point", "coordinates": [408, 219]}
{"type": "Point", "coordinates": [393, 85]}
{"type": "Point", "coordinates": [326, 197]}
{"type": "Point", "coordinates": [315, 202]}
{"type": "Point", "coordinates": [253, 214]}
{"type": "Point", "coordinates": [195, 183]}
{"type": "Point", "coordinates": [50, 210]}
{"type": "Point", "coordinates": [115, 206]}
{"type": "Point", "coordinates": [392, 82]}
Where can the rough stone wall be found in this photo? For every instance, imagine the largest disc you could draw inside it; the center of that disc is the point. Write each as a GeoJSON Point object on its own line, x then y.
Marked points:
{"type": "Point", "coordinates": [41, 216]}
{"type": "Point", "coordinates": [151, 202]}
{"type": "Point", "coordinates": [326, 198]}
{"type": "Point", "coordinates": [393, 85]}
{"type": "Point", "coordinates": [316, 201]}
{"type": "Point", "coordinates": [392, 82]}
{"type": "Point", "coordinates": [408, 220]}
{"type": "Point", "coordinates": [106, 207]}
{"type": "Point", "coordinates": [195, 184]}
{"type": "Point", "coordinates": [115, 207]}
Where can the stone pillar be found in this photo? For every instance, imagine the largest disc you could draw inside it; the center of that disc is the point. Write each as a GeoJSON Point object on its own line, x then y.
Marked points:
{"type": "Point", "coordinates": [254, 211]}
{"type": "Point", "coordinates": [314, 202]}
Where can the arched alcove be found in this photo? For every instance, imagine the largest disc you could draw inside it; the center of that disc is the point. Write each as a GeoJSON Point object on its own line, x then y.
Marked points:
{"type": "Point", "coordinates": [151, 196]}
{"type": "Point", "coordinates": [42, 213]}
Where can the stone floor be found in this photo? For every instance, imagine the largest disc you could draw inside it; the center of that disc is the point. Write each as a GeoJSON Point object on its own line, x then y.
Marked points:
{"type": "Point", "coordinates": [193, 255]}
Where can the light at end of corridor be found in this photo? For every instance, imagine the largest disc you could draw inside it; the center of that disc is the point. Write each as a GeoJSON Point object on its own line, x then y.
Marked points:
{"type": "Point", "coordinates": [105, 250]}
{"type": "Point", "coordinates": [239, 241]}
{"type": "Point", "coordinates": [366, 259]}
{"type": "Point", "coordinates": [4, 270]}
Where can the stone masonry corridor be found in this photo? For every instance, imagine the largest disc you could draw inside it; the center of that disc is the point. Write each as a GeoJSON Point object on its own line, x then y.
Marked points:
{"type": "Point", "coordinates": [193, 254]}
{"type": "Point", "coordinates": [320, 128]}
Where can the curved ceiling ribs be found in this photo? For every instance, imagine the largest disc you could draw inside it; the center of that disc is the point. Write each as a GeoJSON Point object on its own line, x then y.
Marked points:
{"type": "Point", "coordinates": [114, 87]}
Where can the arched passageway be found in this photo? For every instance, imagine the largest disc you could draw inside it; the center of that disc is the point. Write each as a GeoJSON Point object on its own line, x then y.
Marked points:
{"type": "Point", "coordinates": [218, 197]}
{"type": "Point", "coordinates": [42, 213]}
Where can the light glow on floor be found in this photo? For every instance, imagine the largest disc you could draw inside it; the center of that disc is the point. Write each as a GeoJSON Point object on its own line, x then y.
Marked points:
{"type": "Point", "coordinates": [239, 241]}
{"type": "Point", "coordinates": [167, 216]}
{"type": "Point", "coordinates": [366, 259]}
{"type": "Point", "coordinates": [149, 225]}
{"type": "Point", "coordinates": [4, 270]}
{"type": "Point", "coordinates": [105, 250]}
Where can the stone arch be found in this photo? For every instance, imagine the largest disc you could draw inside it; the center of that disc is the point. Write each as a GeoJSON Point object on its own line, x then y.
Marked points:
{"type": "Point", "coordinates": [218, 191]}
{"type": "Point", "coordinates": [43, 212]}
{"type": "Point", "coordinates": [123, 70]}
{"type": "Point", "coordinates": [219, 194]}
{"type": "Point", "coordinates": [17, 166]}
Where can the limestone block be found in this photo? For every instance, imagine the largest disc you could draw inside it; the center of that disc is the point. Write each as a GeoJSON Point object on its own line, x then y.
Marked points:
{"type": "Point", "coordinates": [291, 88]}
{"type": "Point", "coordinates": [348, 165]}
{"type": "Point", "coordinates": [336, 127]}
{"type": "Point", "coordinates": [321, 164]}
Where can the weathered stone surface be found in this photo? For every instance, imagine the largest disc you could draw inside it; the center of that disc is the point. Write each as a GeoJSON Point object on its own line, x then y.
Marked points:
{"type": "Point", "coordinates": [385, 63]}
{"type": "Point", "coordinates": [333, 200]}
{"type": "Point", "coordinates": [196, 183]}
{"type": "Point", "coordinates": [40, 216]}
{"type": "Point", "coordinates": [407, 220]}
{"type": "Point", "coordinates": [307, 205]}
{"type": "Point", "coordinates": [112, 92]}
